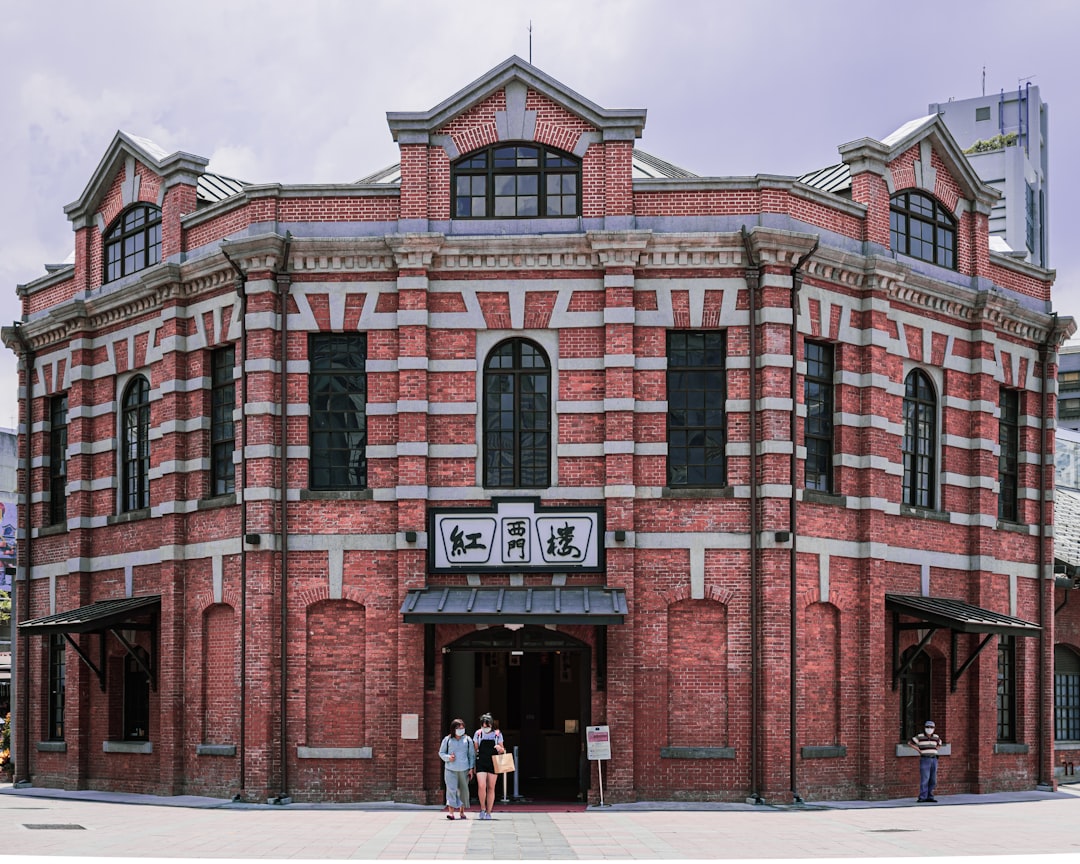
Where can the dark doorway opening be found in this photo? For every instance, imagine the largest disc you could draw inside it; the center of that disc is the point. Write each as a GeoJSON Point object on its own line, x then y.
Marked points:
{"type": "Point", "coordinates": [536, 683]}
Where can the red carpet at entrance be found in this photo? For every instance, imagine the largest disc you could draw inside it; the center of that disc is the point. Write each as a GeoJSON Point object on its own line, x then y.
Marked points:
{"type": "Point", "coordinates": [539, 807]}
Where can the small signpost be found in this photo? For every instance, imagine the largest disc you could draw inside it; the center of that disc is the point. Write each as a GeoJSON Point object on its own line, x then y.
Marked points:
{"type": "Point", "coordinates": [598, 747]}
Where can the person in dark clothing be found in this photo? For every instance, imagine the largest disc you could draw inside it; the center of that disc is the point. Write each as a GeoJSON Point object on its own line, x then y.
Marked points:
{"type": "Point", "coordinates": [489, 741]}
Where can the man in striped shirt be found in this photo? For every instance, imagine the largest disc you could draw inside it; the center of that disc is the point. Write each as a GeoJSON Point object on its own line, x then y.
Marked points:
{"type": "Point", "coordinates": [927, 743]}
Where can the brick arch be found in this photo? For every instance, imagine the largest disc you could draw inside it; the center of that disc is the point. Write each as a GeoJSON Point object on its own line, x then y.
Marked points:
{"type": "Point", "coordinates": [723, 596]}
{"type": "Point", "coordinates": [316, 595]}
{"type": "Point", "coordinates": [204, 599]}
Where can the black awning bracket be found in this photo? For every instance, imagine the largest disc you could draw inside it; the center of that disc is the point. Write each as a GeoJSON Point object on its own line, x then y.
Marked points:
{"type": "Point", "coordinates": [956, 673]}
{"type": "Point", "coordinates": [134, 655]}
{"type": "Point", "coordinates": [99, 668]}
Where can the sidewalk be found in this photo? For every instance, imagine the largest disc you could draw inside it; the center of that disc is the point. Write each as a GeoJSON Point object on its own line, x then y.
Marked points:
{"type": "Point", "coordinates": [54, 822]}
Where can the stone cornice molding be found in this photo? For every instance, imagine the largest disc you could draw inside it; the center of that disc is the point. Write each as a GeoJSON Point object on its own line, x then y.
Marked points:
{"type": "Point", "coordinates": [618, 248]}
{"type": "Point", "coordinates": [258, 253]}
{"type": "Point", "coordinates": [414, 251]}
{"type": "Point", "coordinates": [864, 155]}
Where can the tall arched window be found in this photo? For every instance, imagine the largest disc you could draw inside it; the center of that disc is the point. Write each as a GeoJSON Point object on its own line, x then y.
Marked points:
{"type": "Point", "coordinates": [135, 426]}
{"type": "Point", "coordinates": [517, 416]}
{"type": "Point", "coordinates": [920, 226]}
{"type": "Point", "coordinates": [134, 242]}
{"type": "Point", "coordinates": [920, 440]}
{"type": "Point", "coordinates": [516, 180]}
{"type": "Point", "coordinates": [915, 692]}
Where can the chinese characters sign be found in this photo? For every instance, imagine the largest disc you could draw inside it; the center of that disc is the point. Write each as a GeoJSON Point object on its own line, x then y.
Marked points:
{"type": "Point", "coordinates": [515, 535]}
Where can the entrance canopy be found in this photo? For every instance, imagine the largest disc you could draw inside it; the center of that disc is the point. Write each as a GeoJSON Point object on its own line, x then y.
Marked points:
{"type": "Point", "coordinates": [500, 605]}
{"type": "Point", "coordinates": [932, 613]}
{"type": "Point", "coordinates": [95, 618]}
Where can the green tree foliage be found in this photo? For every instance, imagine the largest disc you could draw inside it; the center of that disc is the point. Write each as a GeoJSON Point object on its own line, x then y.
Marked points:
{"type": "Point", "coordinates": [5, 607]}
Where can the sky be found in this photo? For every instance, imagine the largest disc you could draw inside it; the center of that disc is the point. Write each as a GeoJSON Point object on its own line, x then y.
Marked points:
{"type": "Point", "coordinates": [294, 92]}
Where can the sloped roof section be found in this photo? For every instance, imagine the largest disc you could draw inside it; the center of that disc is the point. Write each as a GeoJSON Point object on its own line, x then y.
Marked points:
{"type": "Point", "coordinates": [498, 605]}
{"type": "Point", "coordinates": [96, 616]}
{"type": "Point", "coordinates": [834, 178]}
{"type": "Point", "coordinates": [958, 615]}
{"type": "Point", "coordinates": [217, 187]}
{"type": "Point", "coordinates": [645, 167]}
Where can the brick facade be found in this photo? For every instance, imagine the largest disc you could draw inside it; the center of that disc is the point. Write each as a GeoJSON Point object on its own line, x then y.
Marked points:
{"type": "Point", "coordinates": [281, 663]}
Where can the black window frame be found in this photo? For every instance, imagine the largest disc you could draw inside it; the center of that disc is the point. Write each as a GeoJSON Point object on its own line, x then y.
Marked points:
{"type": "Point", "coordinates": [136, 706]}
{"type": "Point", "coordinates": [916, 686]}
{"type": "Point", "coordinates": [696, 383]}
{"type": "Point", "coordinates": [1009, 455]}
{"type": "Point", "coordinates": [486, 173]}
{"type": "Point", "coordinates": [337, 429]}
{"type": "Point", "coordinates": [58, 438]}
{"type": "Point", "coordinates": [1066, 693]}
{"type": "Point", "coordinates": [133, 243]}
{"type": "Point", "coordinates": [819, 399]}
{"type": "Point", "coordinates": [517, 437]}
{"type": "Point", "coordinates": [222, 427]}
{"type": "Point", "coordinates": [1006, 689]}
{"type": "Point", "coordinates": [135, 438]}
{"type": "Point", "coordinates": [57, 686]}
{"type": "Point", "coordinates": [919, 445]}
{"type": "Point", "coordinates": [911, 214]}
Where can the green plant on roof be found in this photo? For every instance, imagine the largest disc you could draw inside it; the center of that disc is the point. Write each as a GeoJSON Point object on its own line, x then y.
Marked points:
{"type": "Point", "coordinates": [989, 145]}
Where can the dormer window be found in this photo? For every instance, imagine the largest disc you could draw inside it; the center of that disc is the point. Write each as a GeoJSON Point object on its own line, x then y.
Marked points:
{"type": "Point", "coordinates": [508, 181]}
{"type": "Point", "coordinates": [134, 242]}
{"type": "Point", "coordinates": [921, 227]}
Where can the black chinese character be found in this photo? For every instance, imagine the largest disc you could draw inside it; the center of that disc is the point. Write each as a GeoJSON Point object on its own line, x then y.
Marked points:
{"type": "Point", "coordinates": [560, 543]}
{"type": "Point", "coordinates": [458, 544]}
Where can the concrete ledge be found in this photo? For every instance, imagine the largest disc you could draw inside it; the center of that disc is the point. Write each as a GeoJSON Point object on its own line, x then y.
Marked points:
{"type": "Point", "coordinates": [904, 750]}
{"type": "Point", "coordinates": [216, 502]}
{"type": "Point", "coordinates": [52, 746]}
{"type": "Point", "coordinates": [829, 751]}
{"type": "Point", "coordinates": [333, 753]}
{"type": "Point", "coordinates": [697, 752]}
{"type": "Point", "coordinates": [129, 516]}
{"type": "Point", "coordinates": [1011, 748]}
{"type": "Point", "coordinates": [336, 494]}
{"type": "Point", "coordinates": [127, 747]}
{"type": "Point", "coordinates": [215, 749]}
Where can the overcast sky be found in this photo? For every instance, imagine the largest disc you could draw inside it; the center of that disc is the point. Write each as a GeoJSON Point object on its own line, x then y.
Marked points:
{"type": "Point", "coordinates": [298, 92]}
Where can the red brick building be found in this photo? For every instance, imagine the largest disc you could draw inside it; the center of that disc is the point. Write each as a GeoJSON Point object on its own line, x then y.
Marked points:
{"type": "Point", "coordinates": [750, 470]}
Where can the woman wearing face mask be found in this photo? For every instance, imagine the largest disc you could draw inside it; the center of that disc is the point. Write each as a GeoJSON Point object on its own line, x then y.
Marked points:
{"type": "Point", "coordinates": [458, 754]}
{"type": "Point", "coordinates": [489, 741]}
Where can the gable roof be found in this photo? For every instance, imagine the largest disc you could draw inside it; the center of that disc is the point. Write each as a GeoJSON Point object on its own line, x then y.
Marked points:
{"type": "Point", "coordinates": [173, 168]}
{"type": "Point", "coordinates": [415, 126]}
{"type": "Point", "coordinates": [868, 154]}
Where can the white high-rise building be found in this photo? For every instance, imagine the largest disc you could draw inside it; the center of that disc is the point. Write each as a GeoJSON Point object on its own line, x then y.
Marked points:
{"type": "Point", "coordinates": [1005, 137]}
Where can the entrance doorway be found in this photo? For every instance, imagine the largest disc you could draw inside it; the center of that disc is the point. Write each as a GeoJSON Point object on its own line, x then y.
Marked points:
{"type": "Point", "coordinates": [535, 682]}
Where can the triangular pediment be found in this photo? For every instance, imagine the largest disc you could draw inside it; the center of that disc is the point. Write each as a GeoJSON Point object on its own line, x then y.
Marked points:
{"type": "Point", "coordinates": [930, 135]}
{"type": "Point", "coordinates": [515, 77]}
{"type": "Point", "coordinates": [171, 167]}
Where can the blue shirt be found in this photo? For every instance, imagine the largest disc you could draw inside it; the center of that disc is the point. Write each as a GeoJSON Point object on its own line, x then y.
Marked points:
{"type": "Point", "coordinates": [463, 748]}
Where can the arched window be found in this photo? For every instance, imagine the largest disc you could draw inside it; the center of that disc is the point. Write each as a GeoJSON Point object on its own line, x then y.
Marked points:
{"type": "Point", "coordinates": [920, 440]}
{"type": "Point", "coordinates": [517, 416]}
{"type": "Point", "coordinates": [915, 693]}
{"type": "Point", "coordinates": [508, 181]}
{"type": "Point", "coordinates": [135, 425]}
{"type": "Point", "coordinates": [1066, 694]}
{"type": "Point", "coordinates": [134, 242]}
{"type": "Point", "coordinates": [920, 226]}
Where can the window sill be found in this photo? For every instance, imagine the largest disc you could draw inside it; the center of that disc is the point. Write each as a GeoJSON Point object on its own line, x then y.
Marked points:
{"type": "Point", "coordinates": [923, 513]}
{"type": "Point", "coordinates": [333, 753]}
{"type": "Point", "coordinates": [336, 494]}
{"type": "Point", "coordinates": [1005, 747]}
{"type": "Point", "coordinates": [127, 747]}
{"type": "Point", "coordinates": [216, 501]}
{"type": "Point", "coordinates": [830, 751]}
{"type": "Point", "coordinates": [697, 492]}
{"type": "Point", "coordinates": [129, 516]}
{"type": "Point", "coordinates": [52, 530]}
{"type": "Point", "coordinates": [52, 746]}
{"type": "Point", "coordinates": [1014, 527]}
{"type": "Point", "coordinates": [1067, 745]}
{"type": "Point", "coordinates": [697, 752]}
{"type": "Point", "coordinates": [815, 496]}
{"type": "Point", "coordinates": [215, 749]}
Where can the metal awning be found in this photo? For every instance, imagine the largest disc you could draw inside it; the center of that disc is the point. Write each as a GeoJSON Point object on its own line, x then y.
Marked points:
{"type": "Point", "coordinates": [959, 616]}
{"type": "Point", "coordinates": [105, 616]}
{"type": "Point", "coordinates": [933, 613]}
{"type": "Point", "coordinates": [95, 618]}
{"type": "Point", "coordinates": [591, 604]}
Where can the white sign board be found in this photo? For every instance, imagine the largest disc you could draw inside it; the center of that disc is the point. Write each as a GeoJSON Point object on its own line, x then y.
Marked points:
{"type": "Point", "coordinates": [597, 742]}
{"type": "Point", "coordinates": [410, 726]}
{"type": "Point", "coordinates": [516, 535]}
